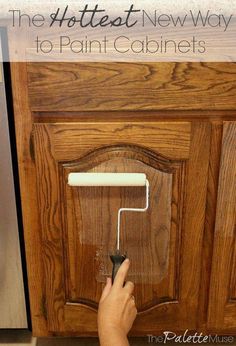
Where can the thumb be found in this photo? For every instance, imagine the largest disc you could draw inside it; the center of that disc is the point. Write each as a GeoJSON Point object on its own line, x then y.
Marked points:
{"type": "Point", "coordinates": [106, 289]}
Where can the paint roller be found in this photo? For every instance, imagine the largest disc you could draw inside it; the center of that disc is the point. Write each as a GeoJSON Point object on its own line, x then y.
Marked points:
{"type": "Point", "coordinates": [113, 179]}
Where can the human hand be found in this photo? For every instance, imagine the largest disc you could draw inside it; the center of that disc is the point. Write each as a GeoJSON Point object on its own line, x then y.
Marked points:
{"type": "Point", "coordinates": [117, 310]}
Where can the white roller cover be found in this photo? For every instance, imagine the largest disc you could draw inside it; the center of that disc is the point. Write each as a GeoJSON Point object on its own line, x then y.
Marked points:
{"type": "Point", "coordinates": [107, 179]}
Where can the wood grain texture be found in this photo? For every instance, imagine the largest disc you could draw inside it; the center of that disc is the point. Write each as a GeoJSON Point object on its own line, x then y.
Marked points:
{"type": "Point", "coordinates": [131, 86]}
{"type": "Point", "coordinates": [212, 189]}
{"type": "Point", "coordinates": [108, 104]}
{"type": "Point", "coordinates": [149, 238]}
{"type": "Point", "coordinates": [196, 192]}
{"type": "Point", "coordinates": [222, 309]}
{"type": "Point", "coordinates": [54, 144]}
{"type": "Point", "coordinates": [171, 140]}
{"type": "Point", "coordinates": [50, 223]}
{"type": "Point", "coordinates": [32, 232]}
{"type": "Point", "coordinates": [232, 293]}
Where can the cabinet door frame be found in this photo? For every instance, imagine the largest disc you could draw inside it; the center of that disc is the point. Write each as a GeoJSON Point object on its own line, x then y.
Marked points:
{"type": "Point", "coordinates": [178, 140]}
{"type": "Point", "coordinates": [222, 307]}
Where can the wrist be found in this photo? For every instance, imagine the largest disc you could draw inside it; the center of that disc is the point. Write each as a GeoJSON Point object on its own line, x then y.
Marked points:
{"type": "Point", "coordinates": [107, 329]}
{"type": "Point", "coordinates": [112, 336]}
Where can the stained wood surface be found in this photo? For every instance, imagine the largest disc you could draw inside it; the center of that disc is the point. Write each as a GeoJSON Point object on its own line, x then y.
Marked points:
{"type": "Point", "coordinates": [212, 189]}
{"type": "Point", "coordinates": [175, 92]}
{"type": "Point", "coordinates": [51, 231]}
{"type": "Point", "coordinates": [170, 139]}
{"type": "Point", "coordinates": [131, 86]}
{"type": "Point", "coordinates": [74, 267]}
{"type": "Point", "coordinates": [28, 189]}
{"type": "Point", "coordinates": [129, 116]}
{"type": "Point", "coordinates": [148, 238]}
{"type": "Point", "coordinates": [222, 306]}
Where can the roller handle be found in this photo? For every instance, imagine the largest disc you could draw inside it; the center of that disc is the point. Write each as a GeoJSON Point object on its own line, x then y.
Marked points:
{"type": "Point", "coordinates": [117, 259]}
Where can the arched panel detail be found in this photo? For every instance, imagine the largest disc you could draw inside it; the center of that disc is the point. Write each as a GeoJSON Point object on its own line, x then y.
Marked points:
{"type": "Point", "coordinates": [151, 239]}
{"type": "Point", "coordinates": [135, 152]}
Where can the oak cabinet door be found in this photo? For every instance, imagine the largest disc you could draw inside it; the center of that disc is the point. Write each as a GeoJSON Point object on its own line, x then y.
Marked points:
{"type": "Point", "coordinates": [78, 224]}
{"type": "Point", "coordinates": [222, 298]}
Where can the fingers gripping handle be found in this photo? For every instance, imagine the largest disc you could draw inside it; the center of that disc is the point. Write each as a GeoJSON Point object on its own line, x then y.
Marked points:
{"type": "Point", "coordinates": [117, 260]}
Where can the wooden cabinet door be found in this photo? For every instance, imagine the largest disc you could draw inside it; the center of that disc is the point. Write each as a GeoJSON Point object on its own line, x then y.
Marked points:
{"type": "Point", "coordinates": [222, 299]}
{"type": "Point", "coordinates": [78, 224]}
